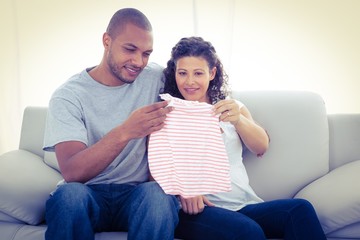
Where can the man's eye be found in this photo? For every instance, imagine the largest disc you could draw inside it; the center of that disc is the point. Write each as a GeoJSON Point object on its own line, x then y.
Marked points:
{"type": "Point", "coordinates": [130, 49]}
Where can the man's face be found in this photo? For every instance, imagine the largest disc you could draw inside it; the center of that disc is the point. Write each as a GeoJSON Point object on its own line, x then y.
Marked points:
{"type": "Point", "coordinates": [128, 53]}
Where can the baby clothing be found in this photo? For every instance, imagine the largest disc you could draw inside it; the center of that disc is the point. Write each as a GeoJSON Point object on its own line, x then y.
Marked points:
{"type": "Point", "coordinates": [187, 156]}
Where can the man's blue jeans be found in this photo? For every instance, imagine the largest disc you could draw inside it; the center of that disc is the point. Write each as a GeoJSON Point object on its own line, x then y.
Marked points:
{"type": "Point", "coordinates": [290, 219]}
{"type": "Point", "coordinates": [77, 211]}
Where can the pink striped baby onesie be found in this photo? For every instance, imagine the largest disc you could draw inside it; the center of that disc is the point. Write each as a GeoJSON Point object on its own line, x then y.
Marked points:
{"type": "Point", "coordinates": [187, 156]}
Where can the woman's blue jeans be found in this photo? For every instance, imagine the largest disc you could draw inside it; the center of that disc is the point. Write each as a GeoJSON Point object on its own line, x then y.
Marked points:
{"type": "Point", "coordinates": [77, 211]}
{"type": "Point", "coordinates": [290, 219]}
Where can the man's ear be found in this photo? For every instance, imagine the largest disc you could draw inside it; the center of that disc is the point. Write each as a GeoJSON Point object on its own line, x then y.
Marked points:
{"type": "Point", "coordinates": [213, 73]}
{"type": "Point", "coordinates": [106, 40]}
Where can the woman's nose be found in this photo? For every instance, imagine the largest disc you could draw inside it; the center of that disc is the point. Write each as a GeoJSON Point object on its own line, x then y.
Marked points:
{"type": "Point", "coordinates": [189, 80]}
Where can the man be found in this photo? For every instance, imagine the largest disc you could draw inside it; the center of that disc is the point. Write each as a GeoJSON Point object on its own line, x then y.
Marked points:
{"type": "Point", "coordinates": [97, 125]}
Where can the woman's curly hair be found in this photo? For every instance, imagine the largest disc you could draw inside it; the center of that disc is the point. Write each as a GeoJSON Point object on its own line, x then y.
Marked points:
{"type": "Point", "coordinates": [196, 47]}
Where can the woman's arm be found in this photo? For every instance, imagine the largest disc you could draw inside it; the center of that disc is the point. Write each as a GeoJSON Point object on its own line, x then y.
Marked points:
{"type": "Point", "coordinates": [253, 135]}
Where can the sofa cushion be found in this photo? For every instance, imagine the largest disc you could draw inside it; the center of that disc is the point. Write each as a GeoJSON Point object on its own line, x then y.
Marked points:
{"type": "Point", "coordinates": [336, 197]}
{"type": "Point", "coordinates": [25, 184]}
{"type": "Point", "coordinates": [7, 218]}
{"type": "Point", "coordinates": [349, 232]}
{"type": "Point", "coordinates": [21, 231]}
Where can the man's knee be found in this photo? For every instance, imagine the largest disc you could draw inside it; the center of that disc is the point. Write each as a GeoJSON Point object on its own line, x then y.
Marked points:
{"type": "Point", "coordinates": [157, 202]}
{"type": "Point", "coordinates": [153, 192]}
{"type": "Point", "coordinates": [70, 195]}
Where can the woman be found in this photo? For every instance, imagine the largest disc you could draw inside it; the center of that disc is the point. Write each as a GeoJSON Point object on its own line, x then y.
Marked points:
{"type": "Point", "coordinates": [195, 73]}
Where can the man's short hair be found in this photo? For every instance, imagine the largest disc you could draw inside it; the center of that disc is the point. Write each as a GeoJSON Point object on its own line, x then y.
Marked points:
{"type": "Point", "coordinates": [124, 16]}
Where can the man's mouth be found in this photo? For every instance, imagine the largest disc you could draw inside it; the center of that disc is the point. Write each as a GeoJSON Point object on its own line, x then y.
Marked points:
{"type": "Point", "coordinates": [133, 70]}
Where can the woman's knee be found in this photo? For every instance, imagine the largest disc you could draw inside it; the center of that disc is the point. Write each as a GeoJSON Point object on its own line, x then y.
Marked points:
{"type": "Point", "coordinates": [245, 230]}
{"type": "Point", "coordinates": [304, 206]}
{"type": "Point", "coordinates": [250, 230]}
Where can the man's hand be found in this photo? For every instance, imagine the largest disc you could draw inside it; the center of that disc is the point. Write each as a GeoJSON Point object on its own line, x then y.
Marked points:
{"type": "Point", "coordinates": [79, 163]}
{"type": "Point", "coordinates": [146, 120]}
{"type": "Point", "coordinates": [194, 205]}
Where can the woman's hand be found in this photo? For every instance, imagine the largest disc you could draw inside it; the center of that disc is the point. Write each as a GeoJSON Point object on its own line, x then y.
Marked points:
{"type": "Point", "coordinates": [194, 205]}
{"type": "Point", "coordinates": [253, 135]}
{"type": "Point", "coordinates": [229, 111]}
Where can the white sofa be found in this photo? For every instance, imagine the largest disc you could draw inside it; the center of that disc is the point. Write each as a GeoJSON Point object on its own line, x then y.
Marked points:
{"type": "Point", "coordinates": [312, 155]}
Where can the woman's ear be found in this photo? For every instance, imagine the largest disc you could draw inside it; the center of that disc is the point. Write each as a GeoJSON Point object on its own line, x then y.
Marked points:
{"type": "Point", "coordinates": [212, 73]}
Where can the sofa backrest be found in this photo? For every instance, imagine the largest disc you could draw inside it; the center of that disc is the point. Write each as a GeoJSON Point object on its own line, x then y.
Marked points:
{"type": "Point", "coordinates": [297, 124]}
{"type": "Point", "coordinates": [344, 134]}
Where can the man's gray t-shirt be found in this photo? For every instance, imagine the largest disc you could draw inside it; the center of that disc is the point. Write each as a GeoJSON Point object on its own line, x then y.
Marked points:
{"type": "Point", "coordinates": [84, 110]}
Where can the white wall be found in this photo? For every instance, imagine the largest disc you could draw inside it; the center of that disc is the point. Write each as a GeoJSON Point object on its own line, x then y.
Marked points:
{"type": "Point", "coordinates": [279, 44]}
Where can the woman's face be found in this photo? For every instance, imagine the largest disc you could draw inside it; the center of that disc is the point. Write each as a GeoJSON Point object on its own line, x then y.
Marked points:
{"type": "Point", "coordinates": [193, 77]}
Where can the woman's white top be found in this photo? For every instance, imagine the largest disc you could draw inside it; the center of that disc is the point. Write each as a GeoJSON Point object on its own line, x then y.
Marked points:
{"type": "Point", "coordinates": [241, 194]}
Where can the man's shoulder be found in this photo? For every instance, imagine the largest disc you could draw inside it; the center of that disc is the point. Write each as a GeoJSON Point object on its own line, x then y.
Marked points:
{"type": "Point", "coordinates": [72, 87]}
{"type": "Point", "coordinates": [153, 68]}
{"type": "Point", "coordinates": [153, 74]}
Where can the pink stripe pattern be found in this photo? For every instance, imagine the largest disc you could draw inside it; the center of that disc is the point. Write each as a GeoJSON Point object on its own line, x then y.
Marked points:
{"type": "Point", "coordinates": [187, 156]}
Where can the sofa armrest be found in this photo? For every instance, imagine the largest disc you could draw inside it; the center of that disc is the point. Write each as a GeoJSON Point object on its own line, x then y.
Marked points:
{"type": "Point", "coordinates": [344, 137]}
{"type": "Point", "coordinates": [32, 130]}
{"type": "Point", "coordinates": [51, 160]}
{"type": "Point", "coordinates": [25, 184]}
{"type": "Point", "coordinates": [336, 197]}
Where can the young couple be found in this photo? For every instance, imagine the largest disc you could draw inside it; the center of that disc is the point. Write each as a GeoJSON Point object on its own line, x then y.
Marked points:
{"type": "Point", "coordinates": [99, 120]}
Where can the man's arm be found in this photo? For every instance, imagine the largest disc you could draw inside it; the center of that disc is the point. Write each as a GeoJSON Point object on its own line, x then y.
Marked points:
{"type": "Point", "coordinates": [79, 163]}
